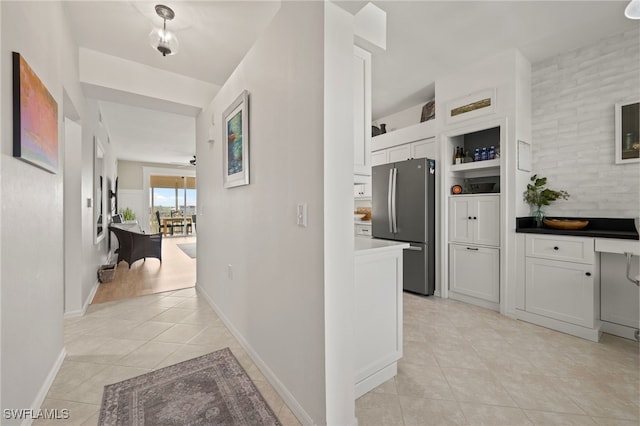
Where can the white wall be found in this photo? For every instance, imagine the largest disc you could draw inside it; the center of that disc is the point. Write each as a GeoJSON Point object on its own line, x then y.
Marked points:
{"type": "Point", "coordinates": [573, 126]}
{"type": "Point", "coordinates": [339, 274]}
{"type": "Point", "coordinates": [32, 216]}
{"type": "Point", "coordinates": [401, 119]}
{"type": "Point", "coordinates": [274, 303]}
{"type": "Point", "coordinates": [32, 222]}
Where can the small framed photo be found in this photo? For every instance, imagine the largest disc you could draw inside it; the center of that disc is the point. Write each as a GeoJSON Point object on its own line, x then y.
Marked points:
{"type": "Point", "coordinates": [627, 132]}
{"type": "Point", "coordinates": [236, 142]}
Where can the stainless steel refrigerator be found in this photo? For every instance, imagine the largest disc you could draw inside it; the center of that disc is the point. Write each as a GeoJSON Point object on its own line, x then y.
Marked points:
{"type": "Point", "coordinates": [403, 209]}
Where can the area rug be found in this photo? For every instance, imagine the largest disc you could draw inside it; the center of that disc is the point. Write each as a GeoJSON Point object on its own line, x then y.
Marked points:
{"type": "Point", "coordinates": [209, 390]}
{"type": "Point", "coordinates": [189, 249]}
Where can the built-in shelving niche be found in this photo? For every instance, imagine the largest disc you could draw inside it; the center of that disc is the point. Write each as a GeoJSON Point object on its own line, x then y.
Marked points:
{"type": "Point", "coordinates": [471, 173]}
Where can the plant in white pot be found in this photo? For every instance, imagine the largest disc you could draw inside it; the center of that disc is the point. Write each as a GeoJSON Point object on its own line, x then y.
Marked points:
{"type": "Point", "coordinates": [538, 195]}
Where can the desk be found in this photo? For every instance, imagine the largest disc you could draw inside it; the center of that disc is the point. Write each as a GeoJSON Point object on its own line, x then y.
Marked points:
{"type": "Point", "coordinates": [166, 220]}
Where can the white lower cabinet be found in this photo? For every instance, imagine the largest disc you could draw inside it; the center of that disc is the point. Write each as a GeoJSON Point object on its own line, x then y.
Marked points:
{"type": "Point", "coordinates": [475, 271]}
{"type": "Point", "coordinates": [557, 293]}
{"type": "Point", "coordinates": [377, 317]}
{"type": "Point", "coordinates": [560, 290]}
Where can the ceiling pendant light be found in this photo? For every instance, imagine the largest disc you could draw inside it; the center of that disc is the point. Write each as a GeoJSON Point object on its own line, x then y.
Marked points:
{"type": "Point", "coordinates": [632, 10]}
{"type": "Point", "coordinates": [161, 39]}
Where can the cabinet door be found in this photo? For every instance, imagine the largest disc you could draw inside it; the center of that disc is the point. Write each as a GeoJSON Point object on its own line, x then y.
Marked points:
{"type": "Point", "coordinates": [561, 290]}
{"type": "Point", "coordinates": [399, 153]}
{"type": "Point", "coordinates": [475, 271]}
{"type": "Point", "coordinates": [425, 148]}
{"type": "Point", "coordinates": [486, 220]}
{"type": "Point", "coordinates": [379, 157]}
{"type": "Point", "coordinates": [362, 111]}
{"type": "Point", "coordinates": [460, 218]}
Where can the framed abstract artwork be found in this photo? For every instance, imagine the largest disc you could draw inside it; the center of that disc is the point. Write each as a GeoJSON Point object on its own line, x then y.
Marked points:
{"type": "Point", "coordinates": [627, 132]}
{"type": "Point", "coordinates": [236, 142]}
{"type": "Point", "coordinates": [35, 118]}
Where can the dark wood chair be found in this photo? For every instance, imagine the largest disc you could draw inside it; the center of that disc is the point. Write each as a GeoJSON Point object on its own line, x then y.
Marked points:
{"type": "Point", "coordinates": [134, 246]}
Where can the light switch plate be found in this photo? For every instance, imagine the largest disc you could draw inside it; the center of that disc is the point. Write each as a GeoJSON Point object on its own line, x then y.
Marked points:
{"type": "Point", "coordinates": [301, 215]}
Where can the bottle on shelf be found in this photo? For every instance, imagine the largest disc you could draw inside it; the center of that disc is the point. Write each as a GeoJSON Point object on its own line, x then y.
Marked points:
{"type": "Point", "coordinates": [484, 155]}
{"type": "Point", "coordinates": [455, 155]}
{"type": "Point", "coordinates": [492, 152]}
{"type": "Point", "coordinates": [459, 157]}
{"type": "Point", "coordinates": [476, 155]}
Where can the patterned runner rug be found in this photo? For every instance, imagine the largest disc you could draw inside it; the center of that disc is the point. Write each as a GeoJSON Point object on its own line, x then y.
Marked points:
{"type": "Point", "coordinates": [209, 390]}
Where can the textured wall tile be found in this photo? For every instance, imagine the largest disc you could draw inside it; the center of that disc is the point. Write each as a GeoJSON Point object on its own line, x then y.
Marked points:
{"type": "Point", "coordinates": [573, 97]}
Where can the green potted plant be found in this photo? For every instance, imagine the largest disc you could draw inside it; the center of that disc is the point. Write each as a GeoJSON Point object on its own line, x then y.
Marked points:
{"type": "Point", "coordinates": [127, 214]}
{"type": "Point", "coordinates": [538, 195]}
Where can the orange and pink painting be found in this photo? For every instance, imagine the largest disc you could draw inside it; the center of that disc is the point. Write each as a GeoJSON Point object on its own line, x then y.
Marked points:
{"type": "Point", "coordinates": [35, 118]}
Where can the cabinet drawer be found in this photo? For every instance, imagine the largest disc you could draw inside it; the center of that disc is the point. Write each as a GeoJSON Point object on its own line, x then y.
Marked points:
{"type": "Point", "coordinates": [475, 271]}
{"type": "Point", "coordinates": [363, 230]}
{"type": "Point", "coordinates": [572, 249]}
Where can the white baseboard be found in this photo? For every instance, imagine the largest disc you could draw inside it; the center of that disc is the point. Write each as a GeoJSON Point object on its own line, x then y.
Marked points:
{"type": "Point", "coordinates": [279, 387]}
{"type": "Point", "coordinates": [592, 334]}
{"type": "Point", "coordinates": [474, 301]}
{"type": "Point", "coordinates": [81, 312]}
{"type": "Point", "coordinates": [619, 330]}
{"type": "Point", "coordinates": [37, 402]}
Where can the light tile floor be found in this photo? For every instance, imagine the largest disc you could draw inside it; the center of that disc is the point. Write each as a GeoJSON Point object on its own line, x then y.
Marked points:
{"type": "Point", "coordinates": [461, 365]}
{"type": "Point", "coordinates": [471, 366]}
{"type": "Point", "coordinates": [118, 340]}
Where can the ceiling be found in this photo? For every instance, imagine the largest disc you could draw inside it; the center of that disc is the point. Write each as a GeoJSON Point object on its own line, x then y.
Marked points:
{"type": "Point", "coordinates": [426, 40]}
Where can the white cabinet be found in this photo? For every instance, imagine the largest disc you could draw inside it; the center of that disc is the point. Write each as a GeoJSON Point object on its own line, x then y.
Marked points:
{"type": "Point", "coordinates": [561, 284]}
{"type": "Point", "coordinates": [560, 290]}
{"type": "Point", "coordinates": [362, 112]}
{"type": "Point", "coordinates": [475, 271]}
{"type": "Point", "coordinates": [474, 265]}
{"type": "Point", "coordinates": [425, 148]}
{"type": "Point", "coordinates": [474, 219]}
{"type": "Point", "coordinates": [363, 230]}
{"type": "Point", "coordinates": [377, 313]}
{"type": "Point", "coordinates": [362, 190]}
{"type": "Point", "coordinates": [379, 157]}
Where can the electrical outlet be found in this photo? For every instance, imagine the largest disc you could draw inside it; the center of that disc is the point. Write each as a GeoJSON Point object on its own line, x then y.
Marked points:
{"type": "Point", "coordinates": [230, 271]}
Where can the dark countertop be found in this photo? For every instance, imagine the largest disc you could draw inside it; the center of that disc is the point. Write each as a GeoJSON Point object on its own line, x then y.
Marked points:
{"type": "Point", "coordinates": [597, 227]}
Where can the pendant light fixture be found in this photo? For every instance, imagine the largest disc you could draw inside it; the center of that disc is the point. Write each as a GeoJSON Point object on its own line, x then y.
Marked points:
{"type": "Point", "coordinates": [632, 10]}
{"type": "Point", "coordinates": [161, 39]}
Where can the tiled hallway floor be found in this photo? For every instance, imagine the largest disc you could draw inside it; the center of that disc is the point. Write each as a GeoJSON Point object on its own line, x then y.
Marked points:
{"type": "Point", "coordinates": [118, 340]}
{"type": "Point", "coordinates": [468, 365]}
{"type": "Point", "coordinates": [461, 365]}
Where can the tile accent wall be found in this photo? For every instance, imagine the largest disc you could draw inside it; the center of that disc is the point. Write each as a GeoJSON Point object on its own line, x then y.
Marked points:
{"type": "Point", "coordinates": [573, 97]}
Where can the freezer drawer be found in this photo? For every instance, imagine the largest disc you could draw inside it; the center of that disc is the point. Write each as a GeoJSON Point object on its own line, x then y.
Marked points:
{"type": "Point", "coordinates": [419, 269]}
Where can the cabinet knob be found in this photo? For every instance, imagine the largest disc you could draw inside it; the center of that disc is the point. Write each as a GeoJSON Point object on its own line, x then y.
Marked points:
{"type": "Point", "coordinates": [469, 217]}
{"type": "Point", "coordinates": [588, 274]}
{"type": "Point", "coordinates": [556, 248]}
{"type": "Point", "coordinates": [475, 218]}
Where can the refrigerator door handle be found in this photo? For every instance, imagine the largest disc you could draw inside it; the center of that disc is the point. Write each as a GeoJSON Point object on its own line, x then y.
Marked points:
{"type": "Point", "coordinates": [393, 201]}
{"type": "Point", "coordinates": [389, 198]}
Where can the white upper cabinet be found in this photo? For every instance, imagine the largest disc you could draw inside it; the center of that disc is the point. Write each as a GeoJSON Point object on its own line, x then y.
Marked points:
{"type": "Point", "coordinates": [362, 112]}
{"type": "Point", "coordinates": [475, 219]}
{"type": "Point", "coordinates": [425, 148]}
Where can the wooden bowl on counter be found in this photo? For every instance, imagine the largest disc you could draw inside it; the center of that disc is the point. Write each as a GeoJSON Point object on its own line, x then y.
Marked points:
{"type": "Point", "coordinates": [565, 223]}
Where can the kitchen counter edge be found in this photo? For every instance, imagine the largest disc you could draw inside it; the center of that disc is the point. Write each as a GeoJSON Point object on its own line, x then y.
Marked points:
{"type": "Point", "coordinates": [598, 228]}
{"type": "Point", "coordinates": [366, 245]}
